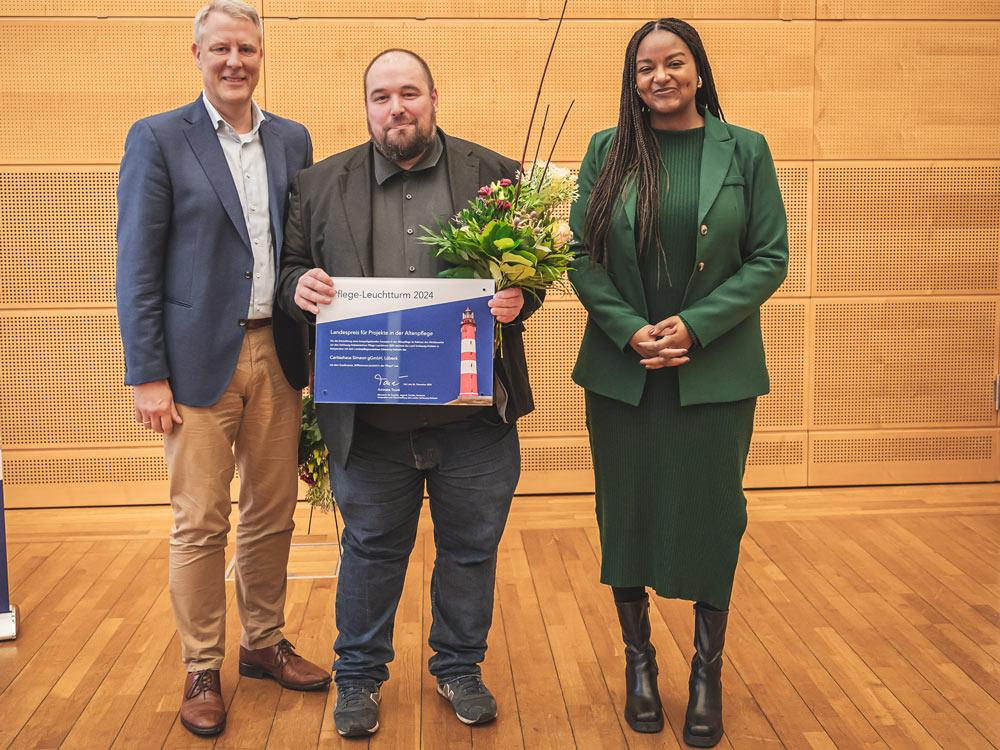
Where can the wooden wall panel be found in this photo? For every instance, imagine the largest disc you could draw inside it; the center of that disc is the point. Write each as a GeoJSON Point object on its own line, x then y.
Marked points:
{"type": "Point", "coordinates": [903, 457]}
{"type": "Point", "coordinates": [316, 67]}
{"type": "Point", "coordinates": [884, 339]}
{"type": "Point", "coordinates": [94, 466]}
{"type": "Point", "coordinates": [641, 10]}
{"type": "Point", "coordinates": [61, 382]}
{"type": "Point", "coordinates": [907, 228]}
{"type": "Point", "coordinates": [471, 9]}
{"type": "Point", "coordinates": [105, 476]}
{"type": "Point", "coordinates": [796, 180]}
{"type": "Point", "coordinates": [775, 460]}
{"type": "Point", "coordinates": [907, 91]}
{"type": "Point", "coordinates": [796, 190]}
{"type": "Point", "coordinates": [103, 8]}
{"type": "Point", "coordinates": [20, 8]}
{"type": "Point", "coordinates": [909, 9]}
{"type": "Point", "coordinates": [552, 341]}
{"type": "Point", "coordinates": [71, 89]}
{"type": "Point", "coordinates": [57, 236]}
{"type": "Point", "coordinates": [137, 476]}
{"type": "Point", "coordinates": [645, 10]}
{"type": "Point", "coordinates": [904, 363]}
{"type": "Point", "coordinates": [784, 323]}
{"type": "Point", "coordinates": [540, 456]}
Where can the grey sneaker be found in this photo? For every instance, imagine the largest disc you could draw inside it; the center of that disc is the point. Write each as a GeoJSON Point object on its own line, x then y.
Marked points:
{"type": "Point", "coordinates": [472, 701]}
{"type": "Point", "coordinates": [356, 714]}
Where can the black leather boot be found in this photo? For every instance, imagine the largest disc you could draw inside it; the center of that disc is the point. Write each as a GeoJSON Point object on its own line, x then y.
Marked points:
{"type": "Point", "coordinates": [643, 710]}
{"type": "Point", "coordinates": [703, 722]}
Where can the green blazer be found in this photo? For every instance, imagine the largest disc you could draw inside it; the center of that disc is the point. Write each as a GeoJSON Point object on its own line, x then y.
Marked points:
{"type": "Point", "coordinates": [742, 258]}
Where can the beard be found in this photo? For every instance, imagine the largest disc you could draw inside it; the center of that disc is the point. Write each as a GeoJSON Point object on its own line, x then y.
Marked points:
{"type": "Point", "coordinates": [397, 147]}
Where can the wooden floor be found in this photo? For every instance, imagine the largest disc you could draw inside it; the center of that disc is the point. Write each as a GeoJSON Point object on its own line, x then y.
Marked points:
{"type": "Point", "coordinates": [861, 618]}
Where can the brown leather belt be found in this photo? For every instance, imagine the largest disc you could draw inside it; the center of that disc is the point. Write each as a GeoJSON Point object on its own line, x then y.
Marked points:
{"type": "Point", "coordinates": [258, 323]}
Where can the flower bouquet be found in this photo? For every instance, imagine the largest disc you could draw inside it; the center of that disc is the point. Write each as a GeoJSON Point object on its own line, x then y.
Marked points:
{"type": "Point", "coordinates": [314, 465]}
{"type": "Point", "coordinates": [508, 232]}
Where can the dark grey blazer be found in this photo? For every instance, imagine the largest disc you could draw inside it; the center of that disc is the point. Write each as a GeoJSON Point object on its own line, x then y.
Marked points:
{"type": "Point", "coordinates": [184, 270]}
{"type": "Point", "coordinates": [329, 227]}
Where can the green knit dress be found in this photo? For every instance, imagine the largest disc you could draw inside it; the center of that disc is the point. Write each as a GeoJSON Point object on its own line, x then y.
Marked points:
{"type": "Point", "coordinates": [669, 479]}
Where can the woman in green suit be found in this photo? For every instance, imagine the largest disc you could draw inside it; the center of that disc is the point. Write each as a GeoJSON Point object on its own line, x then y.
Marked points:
{"type": "Point", "coordinates": [681, 236]}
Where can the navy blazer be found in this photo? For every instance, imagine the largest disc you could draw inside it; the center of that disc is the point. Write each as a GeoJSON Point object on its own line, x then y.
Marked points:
{"type": "Point", "coordinates": [185, 267]}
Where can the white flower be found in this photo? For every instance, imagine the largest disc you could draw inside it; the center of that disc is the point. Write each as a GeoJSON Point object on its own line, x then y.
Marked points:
{"type": "Point", "coordinates": [561, 235]}
{"type": "Point", "coordinates": [559, 173]}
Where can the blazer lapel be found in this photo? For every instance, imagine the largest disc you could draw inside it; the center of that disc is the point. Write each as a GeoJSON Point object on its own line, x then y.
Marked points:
{"type": "Point", "coordinates": [631, 198]}
{"type": "Point", "coordinates": [463, 175]}
{"type": "Point", "coordinates": [716, 156]}
{"type": "Point", "coordinates": [355, 193]}
{"type": "Point", "coordinates": [277, 181]}
{"type": "Point", "coordinates": [631, 278]}
{"type": "Point", "coordinates": [205, 143]}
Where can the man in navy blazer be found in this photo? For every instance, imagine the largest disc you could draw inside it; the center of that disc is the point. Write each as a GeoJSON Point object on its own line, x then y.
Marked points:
{"type": "Point", "coordinates": [215, 366]}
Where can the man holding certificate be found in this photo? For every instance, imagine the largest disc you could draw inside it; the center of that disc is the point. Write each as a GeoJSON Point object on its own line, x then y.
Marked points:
{"type": "Point", "coordinates": [359, 214]}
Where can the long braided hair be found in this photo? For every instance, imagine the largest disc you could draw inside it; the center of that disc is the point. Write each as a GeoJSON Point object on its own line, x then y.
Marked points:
{"type": "Point", "coordinates": [634, 153]}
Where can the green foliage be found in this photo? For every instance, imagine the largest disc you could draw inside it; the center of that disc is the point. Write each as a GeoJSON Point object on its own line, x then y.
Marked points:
{"type": "Point", "coordinates": [518, 245]}
{"type": "Point", "coordinates": [314, 463]}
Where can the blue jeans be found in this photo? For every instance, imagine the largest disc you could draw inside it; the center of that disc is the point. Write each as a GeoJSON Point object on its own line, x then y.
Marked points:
{"type": "Point", "coordinates": [471, 468]}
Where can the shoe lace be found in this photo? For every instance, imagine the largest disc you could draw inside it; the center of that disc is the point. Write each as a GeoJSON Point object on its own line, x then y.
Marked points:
{"type": "Point", "coordinates": [285, 648]}
{"type": "Point", "coordinates": [470, 686]}
{"type": "Point", "coordinates": [202, 682]}
{"type": "Point", "coordinates": [353, 695]}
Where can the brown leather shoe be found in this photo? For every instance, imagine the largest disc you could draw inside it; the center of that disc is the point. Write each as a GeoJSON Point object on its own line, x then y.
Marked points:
{"type": "Point", "coordinates": [284, 666]}
{"type": "Point", "coordinates": [203, 711]}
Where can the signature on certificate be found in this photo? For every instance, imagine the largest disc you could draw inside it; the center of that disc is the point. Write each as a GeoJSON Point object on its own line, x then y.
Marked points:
{"type": "Point", "coordinates": [388, 381]}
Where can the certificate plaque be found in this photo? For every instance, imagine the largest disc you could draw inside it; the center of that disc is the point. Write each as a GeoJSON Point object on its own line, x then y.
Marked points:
{"type": "Point", "coordinates": [405, 341]}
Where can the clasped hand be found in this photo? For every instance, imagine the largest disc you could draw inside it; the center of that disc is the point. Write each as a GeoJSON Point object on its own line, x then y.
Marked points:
{"type": "Point", "coordinates": [665, 344]}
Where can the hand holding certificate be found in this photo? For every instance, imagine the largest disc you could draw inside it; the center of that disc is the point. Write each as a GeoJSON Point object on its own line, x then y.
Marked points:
{"type": "Point", "coordinates": [406, 341]}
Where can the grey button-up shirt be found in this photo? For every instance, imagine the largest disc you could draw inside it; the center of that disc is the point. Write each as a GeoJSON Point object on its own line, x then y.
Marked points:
{"type": "Point", "coordinates": [245, 157]}
{"type": "Point", "coordinates": [402, 202]}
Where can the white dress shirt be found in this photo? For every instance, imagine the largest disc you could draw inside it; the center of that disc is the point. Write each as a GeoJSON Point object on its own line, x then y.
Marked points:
{"type": "Point", "coordinates": [245, 156]}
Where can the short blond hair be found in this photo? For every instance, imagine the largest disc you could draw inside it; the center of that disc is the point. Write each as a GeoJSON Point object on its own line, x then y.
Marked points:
{"type": "Point", "coordinates": [233, 9]}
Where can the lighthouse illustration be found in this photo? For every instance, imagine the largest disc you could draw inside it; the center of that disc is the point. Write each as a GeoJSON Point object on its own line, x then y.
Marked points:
{"type": "Point", "coordinates": [469, 382]}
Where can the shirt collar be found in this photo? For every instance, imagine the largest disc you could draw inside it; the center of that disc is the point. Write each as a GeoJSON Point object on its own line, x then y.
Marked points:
{"type": "Point", "coordinates": [256, 113]}
{"type": "Point", "coordinates": [385, 168]}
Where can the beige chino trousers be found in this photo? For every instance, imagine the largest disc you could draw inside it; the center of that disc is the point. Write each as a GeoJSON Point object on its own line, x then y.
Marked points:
{"type": "Point", "coordinates": [255, 426]}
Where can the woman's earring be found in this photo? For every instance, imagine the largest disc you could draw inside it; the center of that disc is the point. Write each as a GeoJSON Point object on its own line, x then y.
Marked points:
{"type": "Point", "coordinates": [642, 104]}
{"type": "Point", "coordinates": [699, 81]}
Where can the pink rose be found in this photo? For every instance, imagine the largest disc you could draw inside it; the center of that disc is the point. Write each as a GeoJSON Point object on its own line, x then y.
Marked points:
{"type": "Point", "coordinates": [505, 183]}
{"type": "Point", "coordinates": [485, 190]}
